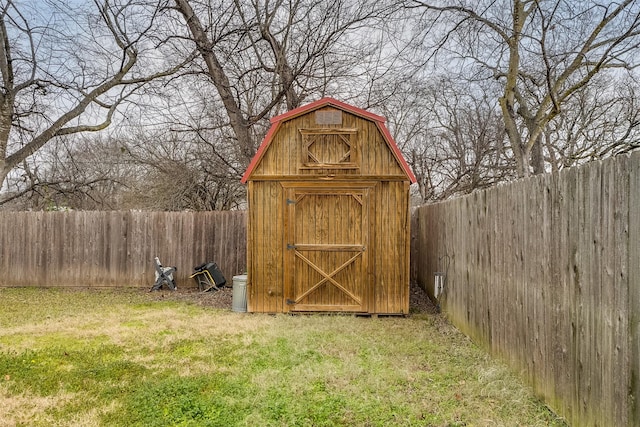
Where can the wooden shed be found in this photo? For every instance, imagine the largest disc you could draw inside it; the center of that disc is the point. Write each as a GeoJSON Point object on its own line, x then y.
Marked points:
{"type": "Point", "coordinates": [328, 224]}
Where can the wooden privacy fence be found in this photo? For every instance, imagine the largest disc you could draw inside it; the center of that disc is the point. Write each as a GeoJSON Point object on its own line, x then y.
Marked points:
{"type": "Point", "coordinates": [545, 272]}
{"type": "Point", "coordinates": [116, 249]}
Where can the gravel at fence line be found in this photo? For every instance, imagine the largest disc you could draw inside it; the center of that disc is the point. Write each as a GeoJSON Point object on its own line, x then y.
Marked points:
{"type": "Point", "coordinates": [419, 302]}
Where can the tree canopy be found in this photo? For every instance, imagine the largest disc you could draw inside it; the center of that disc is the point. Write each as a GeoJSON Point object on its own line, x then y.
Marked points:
{"type": "Point", "coordinates": [160, 104]}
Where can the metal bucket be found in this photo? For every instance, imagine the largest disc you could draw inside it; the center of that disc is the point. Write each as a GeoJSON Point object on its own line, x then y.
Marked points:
{"type": "Point", "coordinates": [239, 298]}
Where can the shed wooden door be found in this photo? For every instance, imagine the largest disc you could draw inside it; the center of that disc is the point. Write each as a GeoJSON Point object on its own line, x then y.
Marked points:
{"type": "Point", "coordinates": [326, 249]}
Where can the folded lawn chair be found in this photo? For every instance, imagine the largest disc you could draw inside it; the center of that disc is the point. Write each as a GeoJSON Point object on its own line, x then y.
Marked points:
{"type": "Point", "coordinates": [164, 276]}
{"type": "Point", "coordinates": [208, 277]}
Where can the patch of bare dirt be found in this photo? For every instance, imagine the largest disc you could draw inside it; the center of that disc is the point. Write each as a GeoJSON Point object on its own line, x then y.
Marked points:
{"type": "Point", "coordinates": [419, 302]}
{"type": "Point", "coordinates": [215, 299]}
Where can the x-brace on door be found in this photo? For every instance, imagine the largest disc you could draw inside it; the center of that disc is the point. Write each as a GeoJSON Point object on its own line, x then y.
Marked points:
{"type": "Point", "coordinates": [326, 249]}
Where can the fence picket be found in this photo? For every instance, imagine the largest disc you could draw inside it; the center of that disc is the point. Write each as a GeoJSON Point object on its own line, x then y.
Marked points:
{"type": "Point", "coordinates": [545, 274]}
{"type": "Point", "coordinates": [116, 249]}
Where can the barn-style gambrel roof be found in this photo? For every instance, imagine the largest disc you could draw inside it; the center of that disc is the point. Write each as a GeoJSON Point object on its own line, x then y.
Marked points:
{"type": "Point", "coordinates": [324, 102]}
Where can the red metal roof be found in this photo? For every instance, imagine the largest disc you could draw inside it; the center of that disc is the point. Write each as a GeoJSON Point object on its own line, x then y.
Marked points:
{"type": "Point", "coordinates": [277, 120]}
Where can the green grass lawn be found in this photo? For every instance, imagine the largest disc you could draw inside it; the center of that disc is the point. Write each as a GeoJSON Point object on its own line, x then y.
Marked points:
{"type": "Point", "coordinates": [125, 358]}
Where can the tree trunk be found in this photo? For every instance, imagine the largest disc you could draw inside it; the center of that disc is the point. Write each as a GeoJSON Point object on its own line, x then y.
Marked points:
{"type": "Point", "coordinates": [4, 171]}
{"type": "Point", "coordinates": [537, 159]}
{"type": "Point", "coordinates": [238, 122]}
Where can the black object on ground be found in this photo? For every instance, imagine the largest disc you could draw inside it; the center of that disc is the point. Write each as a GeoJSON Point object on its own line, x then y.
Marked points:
{"type": "Point", "coordinates": [208, 277]}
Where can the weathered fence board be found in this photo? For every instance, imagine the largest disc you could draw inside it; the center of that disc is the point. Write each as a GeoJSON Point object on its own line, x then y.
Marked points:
{"type": "Point", "coordinates": [632, 356]}
{"type": "Point", "coordinates": [116, 249]}
{"type": "Point", "coordinates": [545, 273]}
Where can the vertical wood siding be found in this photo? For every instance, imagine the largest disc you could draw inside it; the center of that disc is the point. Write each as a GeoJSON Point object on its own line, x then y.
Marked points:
{"type": "Point", "coordinates": [285, 156]}
{"type": "Point", "coordinates": [390, 262]}
{"type": "Point", "coordinates": [545, 273]}
{"type": "Point", "coordinates": [281, 279]}
{"type": "Point", "coordinates": [94, 249]}
{"type": "Point", "coordinates": [265, 285]}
